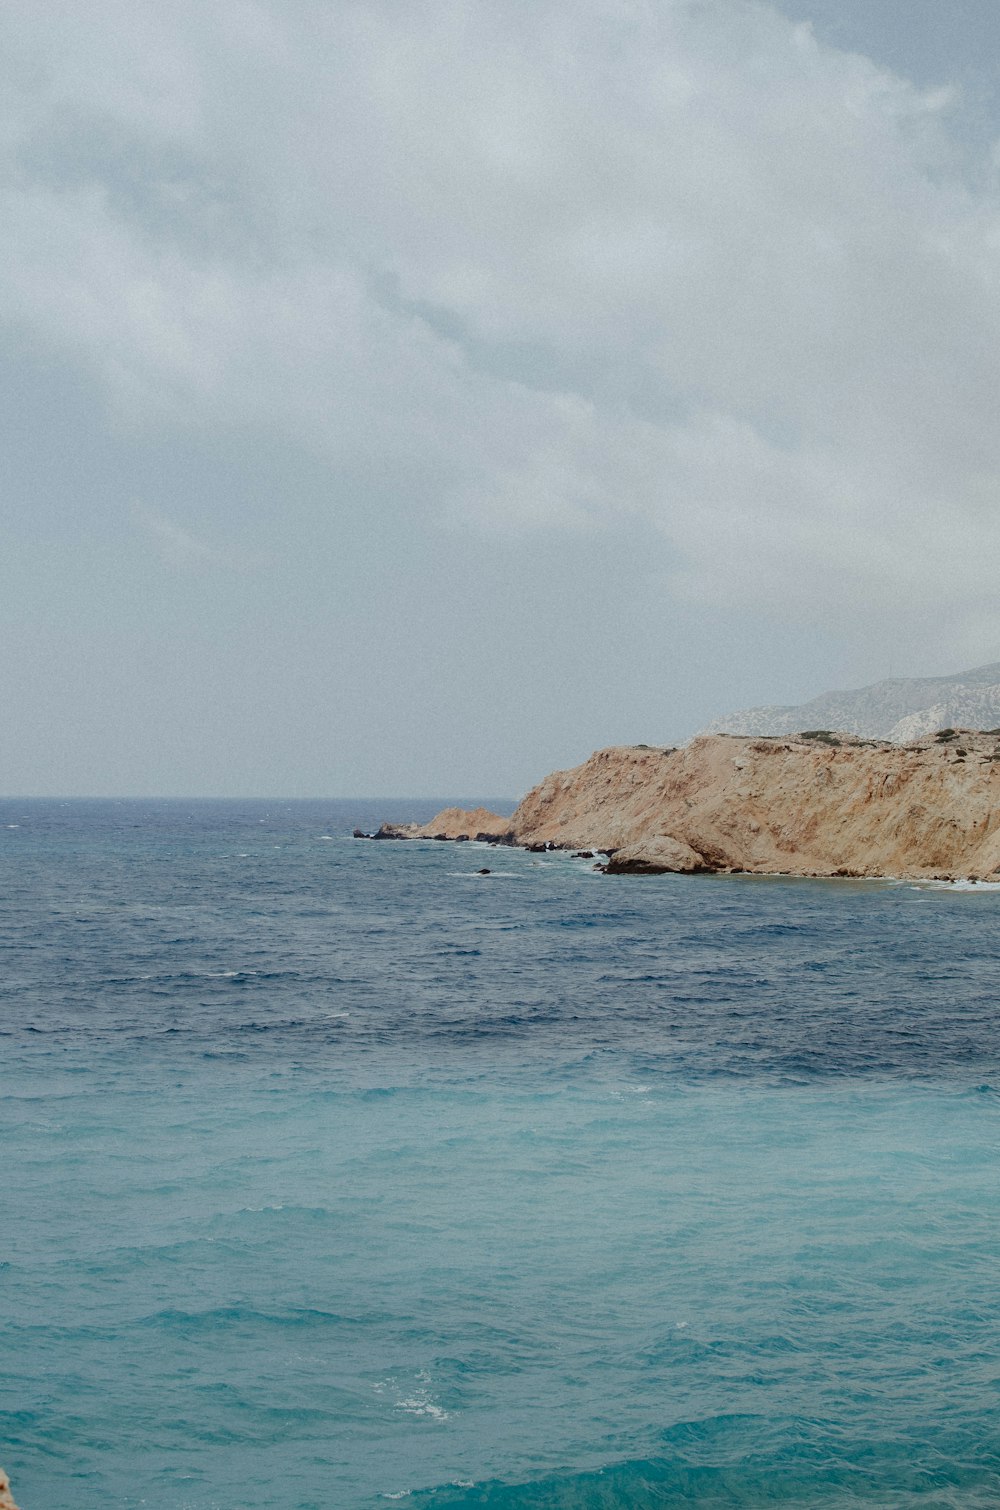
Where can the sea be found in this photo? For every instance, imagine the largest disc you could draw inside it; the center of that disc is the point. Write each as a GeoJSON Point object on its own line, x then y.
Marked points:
{"type": "Point", "coordinates": [337, 1175]}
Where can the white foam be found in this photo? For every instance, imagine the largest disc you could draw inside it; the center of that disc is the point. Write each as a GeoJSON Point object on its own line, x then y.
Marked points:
{"type": "Point", "coordinates": [418, 1402]}
{"type": "Point", "coordinates": [494, 875]}
{"type": "Point", "coordinates": [631, 1090]}
{"type": "Point", "coordinates": [418, 1406]}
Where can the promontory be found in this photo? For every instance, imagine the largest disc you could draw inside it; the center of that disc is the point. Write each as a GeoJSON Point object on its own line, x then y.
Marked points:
{"type": "Point", "coordinates": [812, 804]}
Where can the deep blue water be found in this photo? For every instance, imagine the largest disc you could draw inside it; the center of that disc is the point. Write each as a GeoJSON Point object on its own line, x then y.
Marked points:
{"type": "Point", "coordinates": [334, 1174]}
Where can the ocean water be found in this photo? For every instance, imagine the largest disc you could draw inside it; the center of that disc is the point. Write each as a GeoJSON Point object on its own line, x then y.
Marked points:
{"type": "Point", "coordinates": [336, 1175]}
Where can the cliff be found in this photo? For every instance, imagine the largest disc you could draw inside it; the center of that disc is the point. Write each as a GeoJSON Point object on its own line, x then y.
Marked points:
{"type": "Point", "coordinates": [816, 805]}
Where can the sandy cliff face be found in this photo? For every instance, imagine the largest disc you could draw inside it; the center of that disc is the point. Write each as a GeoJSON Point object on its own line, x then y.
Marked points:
{"type": "Point", "coordinates": [824, 805]}
{"type": "Point", "coordinates": [797, 806]}
{"type": "Point", "coordinates": [6, 1498]}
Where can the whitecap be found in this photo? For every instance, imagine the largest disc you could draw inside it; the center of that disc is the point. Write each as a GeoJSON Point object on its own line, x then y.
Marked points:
{"type": "Point", "coordinates": [418, 1402]}
{"type": "Point", "coordinates": [494, 875]}
{"type": "Point", "coordinates": [622, 1091]}
{"type": "Point", "coordinates": [418, 1406]}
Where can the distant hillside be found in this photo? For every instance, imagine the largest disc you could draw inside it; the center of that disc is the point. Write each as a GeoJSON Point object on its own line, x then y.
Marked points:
{"type": "Point", "coordinates": [901, 709]}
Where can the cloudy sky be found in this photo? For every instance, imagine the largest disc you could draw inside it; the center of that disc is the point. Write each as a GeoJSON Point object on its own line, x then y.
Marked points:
{"type": "Point", "coordinates": [407, 398]}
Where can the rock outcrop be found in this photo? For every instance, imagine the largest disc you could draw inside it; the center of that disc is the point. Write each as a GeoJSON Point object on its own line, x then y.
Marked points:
{"type": "Point", "coordinates": [817, 804]}
{"type": "Point", "coordinates": [6, 1498]}
{"type": "Point", "coordinates": [454, 823]}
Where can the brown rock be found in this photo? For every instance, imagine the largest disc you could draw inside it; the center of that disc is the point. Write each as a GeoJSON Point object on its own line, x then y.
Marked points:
{"type": "Point", "coordinates": [458, 823]}
{"type": "Point", "coordinates": [801, 805]}
{"type": "Point", "coordinates": [815, 804]}
{"type": "Point", "coordinates": [6, 1498]}
{"type": "Point", "coordinates": [656, 856]}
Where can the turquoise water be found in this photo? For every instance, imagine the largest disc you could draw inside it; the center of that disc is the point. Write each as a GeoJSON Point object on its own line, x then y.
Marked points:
{"type": "Point", "coordinates": [336, 1175]}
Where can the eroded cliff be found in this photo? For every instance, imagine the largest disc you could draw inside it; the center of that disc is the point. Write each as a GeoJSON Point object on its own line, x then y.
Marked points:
{"type": "Point", "coordinates": [820, 804]}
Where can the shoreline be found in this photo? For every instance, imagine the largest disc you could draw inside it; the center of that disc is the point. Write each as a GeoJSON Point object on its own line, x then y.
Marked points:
{"type": "Point", "coordinates": [937, 883]}
{"type": "Point", "coordinates": [818, 806]}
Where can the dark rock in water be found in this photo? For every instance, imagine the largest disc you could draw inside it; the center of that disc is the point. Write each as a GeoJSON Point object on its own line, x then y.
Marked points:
{"type": "Point", "coordinates": [484, 872]}
{"type": "Point", "coordinates": [359, 833]}
{"type": "Point", "coordinates": [542, 849]}
{"type": "Point", "coordinates": [461, 838]}
{"type": "Point", "coordinates": [583, 854]}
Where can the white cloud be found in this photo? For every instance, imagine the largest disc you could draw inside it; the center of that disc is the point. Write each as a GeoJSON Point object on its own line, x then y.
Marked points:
{"type": "Point", "coordinates": [562, 262]}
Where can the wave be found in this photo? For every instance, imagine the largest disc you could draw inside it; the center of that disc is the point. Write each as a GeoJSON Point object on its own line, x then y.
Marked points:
{"type": "Point", "coordinates": [899, 1480]}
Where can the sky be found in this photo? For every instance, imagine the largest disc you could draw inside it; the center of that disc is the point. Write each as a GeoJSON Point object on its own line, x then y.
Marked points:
{"type": "Point", "coordinates": [407, 399]}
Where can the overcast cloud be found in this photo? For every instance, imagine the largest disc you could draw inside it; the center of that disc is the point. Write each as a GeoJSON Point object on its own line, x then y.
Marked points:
{"type": "Point", "coordinates": [677, 304]}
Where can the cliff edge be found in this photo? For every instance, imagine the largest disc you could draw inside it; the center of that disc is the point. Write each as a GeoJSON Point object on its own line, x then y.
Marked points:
{"type": "Point", "coordinates": [817, 804]}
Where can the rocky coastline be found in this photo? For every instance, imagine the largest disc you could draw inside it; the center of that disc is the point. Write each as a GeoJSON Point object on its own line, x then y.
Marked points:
{"type": "Point", "coordinates": [819, 803]}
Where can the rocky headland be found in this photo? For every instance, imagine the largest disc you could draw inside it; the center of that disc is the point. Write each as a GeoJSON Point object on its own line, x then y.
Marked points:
{"type": "Point", "coordinates": [811, 804]}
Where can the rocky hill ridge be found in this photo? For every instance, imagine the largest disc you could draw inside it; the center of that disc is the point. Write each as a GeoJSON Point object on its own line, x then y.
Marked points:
{"type": "Point", "coordinates": [901, 709]}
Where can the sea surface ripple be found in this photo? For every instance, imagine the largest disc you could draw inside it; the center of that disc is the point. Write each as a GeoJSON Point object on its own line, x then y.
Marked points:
{"type": "Point", "coordinates": [337, 1174]}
